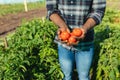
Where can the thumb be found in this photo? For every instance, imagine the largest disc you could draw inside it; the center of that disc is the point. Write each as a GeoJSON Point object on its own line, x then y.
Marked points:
{"type": "Point", "coordinates": [68, 30]}
{"type": "Point", "coordinates": [58, 31]}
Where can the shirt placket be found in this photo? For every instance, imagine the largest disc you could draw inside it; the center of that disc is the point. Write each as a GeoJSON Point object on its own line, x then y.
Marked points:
{"type": "Point", "coordinates": [71, 14]}
{"type": "Point", "coordinates": [71, 8]}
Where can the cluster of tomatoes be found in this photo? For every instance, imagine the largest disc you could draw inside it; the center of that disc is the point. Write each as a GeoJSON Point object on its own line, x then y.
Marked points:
{"type": "Point", "coordinates": [70, 37]}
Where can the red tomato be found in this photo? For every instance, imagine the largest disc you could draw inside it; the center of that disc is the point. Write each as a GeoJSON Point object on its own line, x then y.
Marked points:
{"type": "Point", "coordinates": [64, 35]}
{"type": "Point", "coordinates": [77, 32]}
{"type": "Point", "coordinates": [72, 40]}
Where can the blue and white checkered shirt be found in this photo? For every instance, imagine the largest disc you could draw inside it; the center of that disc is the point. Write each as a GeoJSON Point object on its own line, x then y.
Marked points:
{"type": "Point", "coordinates": [75, 13]}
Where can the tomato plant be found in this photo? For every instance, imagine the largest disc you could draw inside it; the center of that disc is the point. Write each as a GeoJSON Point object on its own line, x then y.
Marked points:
{"type": "Point", "coordinates": [31, 53]}
{"type": "Point", "coordinates": [107, 48]}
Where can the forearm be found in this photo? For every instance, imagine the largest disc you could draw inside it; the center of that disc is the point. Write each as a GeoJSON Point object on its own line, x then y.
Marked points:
{"type": "Point", "coordinates": [89, 24]}
{"type": "Point", "coordinates": [57, 20]}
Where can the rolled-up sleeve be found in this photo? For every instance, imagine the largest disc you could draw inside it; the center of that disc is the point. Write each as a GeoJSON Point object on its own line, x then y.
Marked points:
{"type": "Point", "coordinates": [52, 7]}
{"type": "Point", "coordinates": [97, 10]}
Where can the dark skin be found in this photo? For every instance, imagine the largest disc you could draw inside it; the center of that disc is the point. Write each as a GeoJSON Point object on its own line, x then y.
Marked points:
{"type": "Point", "coordinates": [90, 23]}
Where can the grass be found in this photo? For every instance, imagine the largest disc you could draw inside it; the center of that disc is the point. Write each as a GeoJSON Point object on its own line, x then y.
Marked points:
{"type": "Point", "coordinates": [112, 0]}
{"type": "Point", "coordinates": [113, 4]}
{"type": "Point", "coordinates": [19, 7]}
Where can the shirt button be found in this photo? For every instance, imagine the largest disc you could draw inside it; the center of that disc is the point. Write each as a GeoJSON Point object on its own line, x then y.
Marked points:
{"type": "Point", "coordinates": [71, 2]}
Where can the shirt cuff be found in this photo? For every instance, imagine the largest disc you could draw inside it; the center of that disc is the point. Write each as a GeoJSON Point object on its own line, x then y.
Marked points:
{"type": "Point", "coordinates": [49, 13]}
{"type": "Point", "coordinates": [96, 16]}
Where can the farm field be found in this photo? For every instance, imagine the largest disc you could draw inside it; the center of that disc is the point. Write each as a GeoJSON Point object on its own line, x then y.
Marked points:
{"type": "Point", "coordinates": [19, 7]}
{"type": "Point", "coordinates": [10, 22]}
{"type": "Point", "coordinates": [12, 15]}
{"type": "Point", "coordinates": [29, 52]}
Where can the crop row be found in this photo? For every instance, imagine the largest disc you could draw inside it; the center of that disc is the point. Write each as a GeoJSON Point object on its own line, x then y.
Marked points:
{"type": "Point", "coordinates": [31, 53]}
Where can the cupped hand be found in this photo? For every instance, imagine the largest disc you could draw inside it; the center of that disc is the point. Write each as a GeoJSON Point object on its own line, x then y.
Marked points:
{"type": "Point", "coordinates": [78, 39]}
{"type": "Point", "coordinates": [60, 30]}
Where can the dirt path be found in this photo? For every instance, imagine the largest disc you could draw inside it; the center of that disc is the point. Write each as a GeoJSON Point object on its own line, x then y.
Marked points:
{"type": "Point", "coordinates": [11, 21]}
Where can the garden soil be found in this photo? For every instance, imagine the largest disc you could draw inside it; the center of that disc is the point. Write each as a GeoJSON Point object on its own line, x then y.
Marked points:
{"type": "Point", "coordinates": [9, 22]}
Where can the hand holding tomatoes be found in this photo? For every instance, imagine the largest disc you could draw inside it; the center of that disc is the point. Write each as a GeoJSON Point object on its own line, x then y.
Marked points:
{"type": "Point", "coordinates": [75, 34]}
{"type": "Point", "coordinates": [73, 37]}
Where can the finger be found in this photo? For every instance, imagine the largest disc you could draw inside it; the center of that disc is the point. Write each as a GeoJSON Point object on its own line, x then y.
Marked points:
{"type": "Point", "coordinates": [68, 44]}
{"type": "Point", "coordinates": [64, 41]}
{"type": "Point", "coordinates": [73, 44]}
{"type": "Point", "coordinates": [59, 38]}
{"type": "Point", "coordinates": [79, 38]}
{"type": "Point", "coordinates": [68, 30]}
{"type": "Point", "coordinates": [59, 31]}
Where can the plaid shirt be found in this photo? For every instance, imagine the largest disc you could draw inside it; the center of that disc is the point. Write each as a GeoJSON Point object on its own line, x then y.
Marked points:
{"type": "Point", "coordinates": [75, 13]}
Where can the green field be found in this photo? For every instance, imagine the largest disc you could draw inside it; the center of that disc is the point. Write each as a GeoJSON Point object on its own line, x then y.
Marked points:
{"type": "Point", "coordinates": [15, 8]}
{"type": "Point", "coordinates": [31, 54]}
